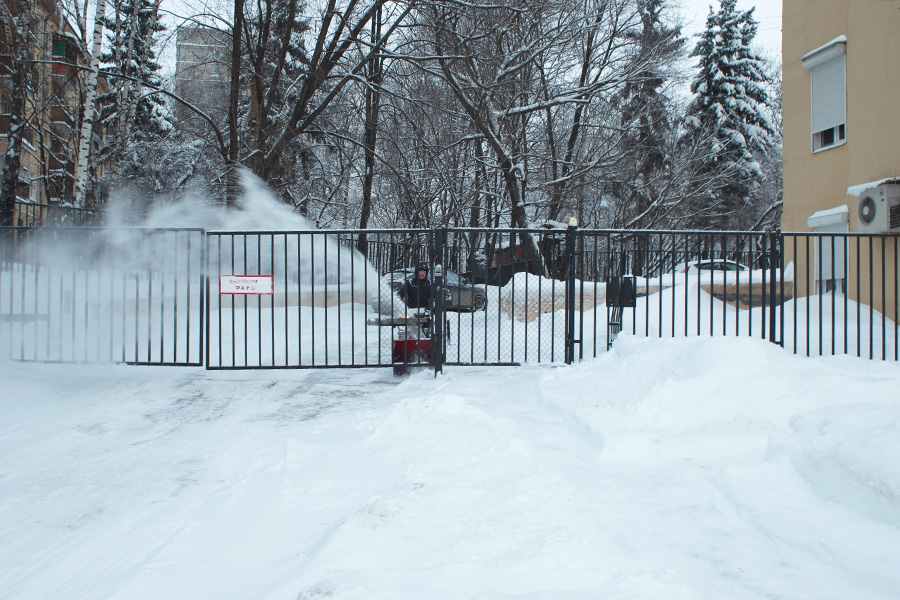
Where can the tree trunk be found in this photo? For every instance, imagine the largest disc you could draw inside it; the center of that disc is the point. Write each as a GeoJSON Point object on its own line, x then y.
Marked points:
{"type": "Point", "coordinates": [9, 178]}
{"type": "Point", "coordinates": [234, 149]}
{"type": "Point", "coordinates": [90, 100]}
{"type": "Point", "coordinates": [373, 101]}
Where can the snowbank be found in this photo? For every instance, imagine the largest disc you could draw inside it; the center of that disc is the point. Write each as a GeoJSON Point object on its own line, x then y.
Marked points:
{"type": "Point", "coordinates": [527, 296]}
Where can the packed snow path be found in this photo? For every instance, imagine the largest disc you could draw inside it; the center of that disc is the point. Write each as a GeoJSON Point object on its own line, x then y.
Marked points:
{"type": "Point", "coordinates": [701, 468]}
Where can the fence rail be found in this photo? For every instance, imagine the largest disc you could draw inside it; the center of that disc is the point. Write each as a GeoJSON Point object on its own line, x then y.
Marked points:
{"type": "Point", "coordinates": [508, 296]}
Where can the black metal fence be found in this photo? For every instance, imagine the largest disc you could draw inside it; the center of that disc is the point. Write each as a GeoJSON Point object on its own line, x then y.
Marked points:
{"type": "Point", "coordinates": [297, 299]}
{"type": "Point", "coordinates": [685, 284]}
{"type": "Point", "coordinates": [845, 298]}
{"type": "Point", "coordinates": [88, 295]}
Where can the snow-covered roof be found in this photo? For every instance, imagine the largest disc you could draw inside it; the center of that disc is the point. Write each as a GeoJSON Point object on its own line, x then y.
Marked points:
{"type": "Point", "coordinates": [832, 216]}
{"type": "Point", "coordinates": [857, 190]}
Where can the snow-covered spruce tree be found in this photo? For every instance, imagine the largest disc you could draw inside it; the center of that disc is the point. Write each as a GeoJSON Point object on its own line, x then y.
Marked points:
{"type": "Point", "coordinates": [647, 117]}
{"type": "Point", "coordinates": [125, 112]}
{"type": "Point", "coordinates": [728, 118]}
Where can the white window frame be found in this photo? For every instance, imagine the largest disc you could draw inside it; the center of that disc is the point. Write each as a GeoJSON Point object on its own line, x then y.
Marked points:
{"type": "Point", "coordinates": [827, 68]}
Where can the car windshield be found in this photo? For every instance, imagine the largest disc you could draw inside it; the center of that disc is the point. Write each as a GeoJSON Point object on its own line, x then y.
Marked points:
{"type": "Point", "coordinates": [454, 279]}
{"type": "Point", "coordinates": [720, 266]}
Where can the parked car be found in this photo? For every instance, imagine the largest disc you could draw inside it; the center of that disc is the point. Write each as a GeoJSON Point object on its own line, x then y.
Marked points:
{"type": "Point", "coordinates": [461, 294]}
{"type": "Point", "coordinates": [464, 295]}
{"type": "Point", "coordinates": [708, 265]}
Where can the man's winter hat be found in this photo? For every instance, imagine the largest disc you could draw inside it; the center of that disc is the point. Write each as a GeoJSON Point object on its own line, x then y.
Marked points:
{"type": "Point", "coordinates": [422, 267]}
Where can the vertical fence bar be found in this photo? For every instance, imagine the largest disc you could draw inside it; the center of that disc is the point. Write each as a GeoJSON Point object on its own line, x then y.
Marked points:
{"type": "Point", "coordinates": [162, 306]}
{"type": "Point", "coordinates": [674, 276]}
{"type": "Point", "coordinates": [512, 296]}
{"type": "Point", "coordinates": [858, 297]}
{"type": "Point", "coordinates": [175, 295]}
{"type": "Point", "coordinates": [781, 300]}
{"type": "Point", "coordinates": [687, 260]}
{"type": "Point", "coordinates": [818, 282]}
{"type": "Point", "coordinates": [353, 301]}
{"type": "Point", "coordinates": [773, 270]}
{"type": "Point", "coordinates": [883, 302]}
{"type": "Point", "coordinates": [437, 342]}
{"type": "Point", "coordinates": [809, 293]}
{"type": "Point", "coordinates": [205, 273]}
{"type": "Point", "coordinates": [833, 280]}
{"type": "Point", "coordinates": [338, 316]}
{"type": "Point", "coordinates": [712, 285]}
{"type": "Point", "coordinates": [871, 298]}
{"type": "Point", "coordinates": [312, 308]}
{"type": "Point", "coordinates": [570, 295]}
{"type": "Point", "coordinates": [287, 320]}
{"type": "Point", "coordinates": [581, 279]}
{"type": "Point", "coordinates": [845, 289]}
{"type": "Point", "coordinates": [137, 305]}
{"type": "Point", "coordinates": [259, 334]}
{"type": "Point", "coordinates": [766, 259]}
{"type": "Point", "coordinates": [299, 300]}
{"type": "Point", "coordinates": [699, 286]}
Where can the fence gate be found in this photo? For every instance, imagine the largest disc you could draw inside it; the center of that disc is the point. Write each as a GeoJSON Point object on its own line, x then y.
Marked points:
{"type": "Point", "coordinates": [312, 299]}
{"type": "Point", "coordinates": [85, 295]}
{"type": "Point", "coordinates": [289, 299]}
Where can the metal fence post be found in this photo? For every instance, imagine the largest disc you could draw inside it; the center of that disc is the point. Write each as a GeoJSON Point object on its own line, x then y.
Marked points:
{"type": "Point", "coordinates": [206, 301]}
{"type": "Point", "coordinates": [439, 238]}
{"type": "Point", "coordinates": [570, 294]}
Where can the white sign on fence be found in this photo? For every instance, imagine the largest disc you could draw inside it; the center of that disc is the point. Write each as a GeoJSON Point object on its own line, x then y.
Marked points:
{"type": "Point", "coordinates": [247, 284]}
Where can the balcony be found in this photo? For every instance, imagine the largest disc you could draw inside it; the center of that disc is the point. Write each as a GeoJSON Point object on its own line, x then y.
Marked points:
{"type": "Point", "coordinates": [60, 115]}
{"type": "Point", "coordinates": [63, 74]}
{"type": "Point", "coordinates": [54, 164]}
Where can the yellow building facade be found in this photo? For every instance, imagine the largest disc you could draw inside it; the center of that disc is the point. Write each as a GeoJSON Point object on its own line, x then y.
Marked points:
{"type": "Point", "coordinates": [841, 86]}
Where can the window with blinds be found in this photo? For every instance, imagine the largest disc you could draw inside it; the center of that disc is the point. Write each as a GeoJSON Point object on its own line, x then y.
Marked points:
{"type": "Point", "coordinates": [828, 94]}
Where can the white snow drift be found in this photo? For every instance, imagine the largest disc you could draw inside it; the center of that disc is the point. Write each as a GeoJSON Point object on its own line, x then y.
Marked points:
{"type": "Point", "coordinates": [676, 469]}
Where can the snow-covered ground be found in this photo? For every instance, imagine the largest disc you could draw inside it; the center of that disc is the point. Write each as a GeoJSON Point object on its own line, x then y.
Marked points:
{"type": "Point", "coordinates": [664, 469]}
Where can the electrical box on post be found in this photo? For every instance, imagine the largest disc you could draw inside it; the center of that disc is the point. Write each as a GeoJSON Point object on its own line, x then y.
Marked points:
{"type": "Point", "coordinates": [620, 292]}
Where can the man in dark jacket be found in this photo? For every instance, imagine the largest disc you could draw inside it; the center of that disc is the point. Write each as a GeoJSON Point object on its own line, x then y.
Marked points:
{"type": "Point", "coordinates": [416, 292]}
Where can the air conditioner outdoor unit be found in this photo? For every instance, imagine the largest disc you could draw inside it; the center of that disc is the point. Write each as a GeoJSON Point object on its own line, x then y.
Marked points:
{"type": "Point", "coordinates": [878, 209]}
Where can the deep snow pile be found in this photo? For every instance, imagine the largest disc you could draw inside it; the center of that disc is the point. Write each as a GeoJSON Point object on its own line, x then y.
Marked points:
{"type": "Point", "coordinates": [689, 468]}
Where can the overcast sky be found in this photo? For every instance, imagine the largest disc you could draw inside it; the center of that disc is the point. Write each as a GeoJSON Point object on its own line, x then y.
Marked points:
{"type": "Point", "coordinates": [768, 15]}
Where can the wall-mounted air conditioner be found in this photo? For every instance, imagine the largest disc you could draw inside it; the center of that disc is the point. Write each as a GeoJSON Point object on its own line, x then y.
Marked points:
{"type": "Point", "coordinates": [878, 208]}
